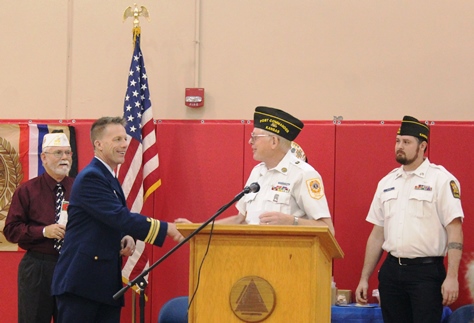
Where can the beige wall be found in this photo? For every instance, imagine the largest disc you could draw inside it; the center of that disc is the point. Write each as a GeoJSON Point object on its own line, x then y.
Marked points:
{"type": "Point", "coordinates": [360, 59]}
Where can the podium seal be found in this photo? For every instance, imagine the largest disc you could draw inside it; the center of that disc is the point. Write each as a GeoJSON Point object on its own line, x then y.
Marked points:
{"type": "Point", "coordinates": [252, 299]}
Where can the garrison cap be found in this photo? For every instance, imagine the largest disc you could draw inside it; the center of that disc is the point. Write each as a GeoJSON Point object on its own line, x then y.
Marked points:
{"type": "Point", "coordinates": [277, 121]}
{"type": "Point", "coordinates": [57, 139]}
{"type": "Point", "coordinates": [412, 127]}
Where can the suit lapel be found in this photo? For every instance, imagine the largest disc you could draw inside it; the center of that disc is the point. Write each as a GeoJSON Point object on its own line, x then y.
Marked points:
{"type": "Point", "coordinates": [118, 187]}
{"type": "Point", "coordinates": [114, 183]}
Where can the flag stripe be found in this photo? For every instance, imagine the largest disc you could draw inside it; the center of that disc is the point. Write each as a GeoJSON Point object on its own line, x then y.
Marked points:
{"type": "Point", "coordinates": [139, 173]}
{"type": "Point", "coordinates": [125, 174]}
{"type": "Point", "coordinates": [142, 259]}
{"type": "Point", "coordinates": [39, 131]}
{"type": "Point", "coordinates": [33, 150]}
{"type": "Point", "coordinates": [24, 148]}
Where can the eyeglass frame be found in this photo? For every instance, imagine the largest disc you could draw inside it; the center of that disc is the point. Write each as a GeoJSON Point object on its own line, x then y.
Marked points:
{"type": "Point", "coordinates": [60, 153]}
{"type": "Point", "coordinates": [254, 136]}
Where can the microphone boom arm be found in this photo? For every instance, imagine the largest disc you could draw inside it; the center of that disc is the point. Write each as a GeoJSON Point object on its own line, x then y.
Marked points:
{"type": "Point", "coordinates": [140, 280]}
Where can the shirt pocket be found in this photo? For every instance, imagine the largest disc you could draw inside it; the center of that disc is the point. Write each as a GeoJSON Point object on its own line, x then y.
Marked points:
{"type": "Point", "coordinates": [388, 200]}
{"type": "Point", "coordinates": [418, 203]}
{"type": "Point", "coordinates": [277, 202]}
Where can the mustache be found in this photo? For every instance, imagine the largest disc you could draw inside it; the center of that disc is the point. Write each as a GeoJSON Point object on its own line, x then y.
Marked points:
{"type": "Point", "coordinates": [64, 162]}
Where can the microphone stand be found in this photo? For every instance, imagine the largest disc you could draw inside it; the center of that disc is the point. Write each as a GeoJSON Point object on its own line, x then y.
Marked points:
{"type": "Point", "coordinates": [140, 279]}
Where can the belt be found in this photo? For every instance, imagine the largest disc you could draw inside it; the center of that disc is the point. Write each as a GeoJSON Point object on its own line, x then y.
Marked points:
{"type": "Point", "coordinates": [42, 256]}
{"type": "Point", "coordinates": [415, 261]}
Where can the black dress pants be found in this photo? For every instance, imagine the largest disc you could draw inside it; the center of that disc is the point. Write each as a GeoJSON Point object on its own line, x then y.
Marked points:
{"type": "Point", "coordinates": [411, 293]}
{"type": "Point", "coordinates": [35, 303]}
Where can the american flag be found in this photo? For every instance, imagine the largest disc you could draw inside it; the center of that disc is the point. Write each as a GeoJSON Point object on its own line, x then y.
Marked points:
{"type": "Point", "coordinates": [139, 174]}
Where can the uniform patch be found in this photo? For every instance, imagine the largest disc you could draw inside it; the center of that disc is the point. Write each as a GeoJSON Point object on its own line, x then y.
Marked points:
{"type": "Point", "coordinates": [455, 189]}
{"type": "Point", "coordinates": [315, 188]}
{"type": "Point", "coordinates": [423, 188]}
{"type": "Point", "coordinates": [388, 189]}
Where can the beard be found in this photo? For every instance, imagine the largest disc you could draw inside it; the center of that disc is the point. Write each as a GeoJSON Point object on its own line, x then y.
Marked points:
{"type": "Point", "coordinates": [403, 160]}
{"type": "Point", "coordinates": [60, 168]}
{"type": "Point", "coordinates": [62, 171]}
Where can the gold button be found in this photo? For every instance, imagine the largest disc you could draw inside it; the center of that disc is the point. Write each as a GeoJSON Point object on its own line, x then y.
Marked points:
{"type": "Point", "coordinates": [96, 258]}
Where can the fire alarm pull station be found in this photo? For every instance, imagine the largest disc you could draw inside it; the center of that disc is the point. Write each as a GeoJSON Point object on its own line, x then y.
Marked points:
{"type": "Point", "coordinates": [194, 97]}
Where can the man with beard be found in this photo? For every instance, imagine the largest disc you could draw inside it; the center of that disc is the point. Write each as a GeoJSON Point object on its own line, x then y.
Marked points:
{"type": "Point", "coordinates": [31, 222]}
{"type": "Point", "coordinates": [417, 217]}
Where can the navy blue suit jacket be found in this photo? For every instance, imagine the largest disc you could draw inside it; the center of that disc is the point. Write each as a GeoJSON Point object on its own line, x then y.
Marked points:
{"type": "Point", "coordinates": [89, 264]}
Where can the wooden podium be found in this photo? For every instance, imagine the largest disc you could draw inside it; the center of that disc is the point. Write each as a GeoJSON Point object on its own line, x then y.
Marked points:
{"type": "Point", "coordinates": [257, 273]}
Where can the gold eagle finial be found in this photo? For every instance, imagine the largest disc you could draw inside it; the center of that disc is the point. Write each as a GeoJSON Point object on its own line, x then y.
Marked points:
{"type": "Point", "coordinates": [136, 12]}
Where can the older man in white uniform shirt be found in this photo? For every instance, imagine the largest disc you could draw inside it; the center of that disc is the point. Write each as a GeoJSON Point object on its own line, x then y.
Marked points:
{"type": "Point", "coordinates": [291, 191]}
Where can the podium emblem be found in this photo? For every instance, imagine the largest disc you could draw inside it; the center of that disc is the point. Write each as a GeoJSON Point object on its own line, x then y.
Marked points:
{"type": "Point", "coordinates": [252, 299]}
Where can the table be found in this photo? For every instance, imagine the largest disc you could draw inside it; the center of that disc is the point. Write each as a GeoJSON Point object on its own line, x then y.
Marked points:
{"type": "Point", "coordinates": [366, 314]}
{"type": "Point", "coordinates": [356, 314]}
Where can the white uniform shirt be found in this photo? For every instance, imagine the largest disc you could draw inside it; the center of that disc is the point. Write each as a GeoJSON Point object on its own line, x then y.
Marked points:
{"type": "Point", "coordinates": [292, 187]}
{"type": "Point", "coordinates": [414, 208]}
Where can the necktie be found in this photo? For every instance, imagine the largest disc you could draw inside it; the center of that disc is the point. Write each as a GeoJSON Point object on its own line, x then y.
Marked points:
{"type": "Point", "coordinates": [59, 202]}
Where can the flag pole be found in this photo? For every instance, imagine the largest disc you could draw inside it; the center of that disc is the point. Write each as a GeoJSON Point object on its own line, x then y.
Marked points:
{"type": "Point", "coordinates": [136, 12]}
{"type": "Point", "coordinates": [133, 307]}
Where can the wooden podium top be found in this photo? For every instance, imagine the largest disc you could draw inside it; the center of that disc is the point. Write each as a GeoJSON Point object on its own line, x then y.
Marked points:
{"type": "Point", "coordinates": [328, 242]}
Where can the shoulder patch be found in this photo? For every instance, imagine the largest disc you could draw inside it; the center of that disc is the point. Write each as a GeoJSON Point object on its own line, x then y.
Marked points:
{"type": "Point", "coordinates": [315, 188]}
{"type": "Point", "coordinates": [455, 190]}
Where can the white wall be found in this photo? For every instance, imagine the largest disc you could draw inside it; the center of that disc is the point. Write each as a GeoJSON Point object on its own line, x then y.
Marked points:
{"type": "Point", "coordinates": [361, 59]}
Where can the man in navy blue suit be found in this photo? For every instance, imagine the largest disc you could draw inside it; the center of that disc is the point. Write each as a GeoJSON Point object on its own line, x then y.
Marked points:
{"type": "Point", "coordinates": [99, 232]}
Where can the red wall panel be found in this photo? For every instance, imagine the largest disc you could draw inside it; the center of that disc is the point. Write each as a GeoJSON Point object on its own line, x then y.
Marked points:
{"type": "Point", "coordinates": [319, 143]}
{"type": "Point", "coordinates": [204, 164]}
{"type": "Point", "coordinates": [202, 169]}
{"type": "Point", "coordinates": [451, 147]}
{"type": "Point", "coordinates": [365, 152]}
{"type": "Point", "coordinates": [8, 285]}
{"type": "Point", "coordinates": [85, 150]}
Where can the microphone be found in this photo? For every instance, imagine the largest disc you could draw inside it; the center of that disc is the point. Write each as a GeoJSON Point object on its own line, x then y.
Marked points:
{"type": "Point", "coordinates": [252, 188]}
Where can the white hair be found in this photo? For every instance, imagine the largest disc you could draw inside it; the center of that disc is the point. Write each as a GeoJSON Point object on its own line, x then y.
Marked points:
{"type": "Point", "coordinates": [284, 144]}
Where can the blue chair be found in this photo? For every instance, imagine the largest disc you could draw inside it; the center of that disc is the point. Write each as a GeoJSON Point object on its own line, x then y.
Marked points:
{"type": "Point", "coordinates": [464, 314]}
{"type": "Point", "coordinates": [174, 311]}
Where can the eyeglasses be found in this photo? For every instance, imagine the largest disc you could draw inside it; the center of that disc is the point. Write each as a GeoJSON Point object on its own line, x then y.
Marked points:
{"type": "Point", "coordinates": [254, 137]}
{"type": "Point", "coordinates": [59, 153]}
